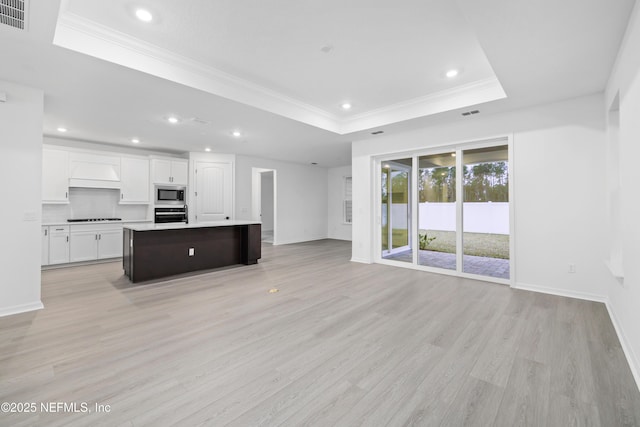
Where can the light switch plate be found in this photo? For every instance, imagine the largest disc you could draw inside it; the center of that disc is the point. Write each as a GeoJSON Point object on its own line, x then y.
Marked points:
{"type": "Point", "coordinates": [192, 251]}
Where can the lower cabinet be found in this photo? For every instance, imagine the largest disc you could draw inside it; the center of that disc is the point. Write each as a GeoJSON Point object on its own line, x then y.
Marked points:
{"type": "Point", "coordinates": [91, 242]}
{"type": "Point", "coordinates": [110, 243]}
{"type": "Point", "coordinates": [58, 244]}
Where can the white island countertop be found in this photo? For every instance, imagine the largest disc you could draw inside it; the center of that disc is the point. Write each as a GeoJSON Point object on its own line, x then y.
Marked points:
{"type": "Point", "coordinates": [180, 226]}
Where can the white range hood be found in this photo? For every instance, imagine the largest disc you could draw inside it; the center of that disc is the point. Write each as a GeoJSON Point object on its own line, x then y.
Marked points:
{"type": "Point", "coordinates": [94, 171]}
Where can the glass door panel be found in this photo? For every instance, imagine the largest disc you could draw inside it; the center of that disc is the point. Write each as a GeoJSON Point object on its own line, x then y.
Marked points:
{"type": "Point", "coordinates": [486, 212]}
{"type": "Point", "coordinates": [396, 210]}
{"type": "Point", "coordinates": [437, 210]}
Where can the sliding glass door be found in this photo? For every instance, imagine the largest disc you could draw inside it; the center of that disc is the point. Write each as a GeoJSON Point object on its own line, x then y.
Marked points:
{"type": "Point", "coordinates": [396, 210]}
{"type": "Point", "coordinates": [437, 210]}
{"type": "Point", "coordinates": [486, 212]}
{"type": "Point", "coordinates": [448, 210]}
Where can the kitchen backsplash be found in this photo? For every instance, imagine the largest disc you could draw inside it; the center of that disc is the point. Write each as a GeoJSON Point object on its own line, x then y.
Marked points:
{"type": "Point", "coordinates": [94, 203]}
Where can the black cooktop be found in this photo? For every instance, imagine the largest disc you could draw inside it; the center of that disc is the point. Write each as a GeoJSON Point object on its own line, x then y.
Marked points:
{"type": "Point", "coordinates": [93, 219]}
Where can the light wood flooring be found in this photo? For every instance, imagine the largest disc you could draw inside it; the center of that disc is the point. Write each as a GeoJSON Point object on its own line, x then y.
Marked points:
{"type": "Point", "coordinates": [341, 344]}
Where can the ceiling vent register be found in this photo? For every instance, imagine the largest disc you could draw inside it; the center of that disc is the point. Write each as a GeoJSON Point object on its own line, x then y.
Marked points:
{"type": "Point", "coordinates": [12, 13]}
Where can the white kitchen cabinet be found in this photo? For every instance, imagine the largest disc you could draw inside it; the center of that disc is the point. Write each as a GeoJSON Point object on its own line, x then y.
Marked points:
{"type": "Point", "coordinates": [110, 243]}
{"type": "Point", "coordinates": [55, 176]}
{"type": "Point", "coordinates": [95, 241]}
{"type": "Point", "coordinates": [84, 245]}
{"type": "Point", "coordinates": [58, 244]}
{"type": "Point", "coordinates": [165, 171]}
{"type": "Point", "coordinates": [134, 176]}
{"type": "Point", "coordinates": [44, 247]}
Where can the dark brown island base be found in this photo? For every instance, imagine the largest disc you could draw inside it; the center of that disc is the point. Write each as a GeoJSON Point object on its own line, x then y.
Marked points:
{"type": "Point", "coordinates": [155, 251]}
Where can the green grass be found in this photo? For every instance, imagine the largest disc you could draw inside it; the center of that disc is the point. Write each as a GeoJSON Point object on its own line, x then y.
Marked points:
{"type": "Point", "coordinates": [477, 244]}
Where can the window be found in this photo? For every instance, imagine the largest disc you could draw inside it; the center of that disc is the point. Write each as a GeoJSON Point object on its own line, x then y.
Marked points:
{"type": "Point", "coordinates": [347, 205]}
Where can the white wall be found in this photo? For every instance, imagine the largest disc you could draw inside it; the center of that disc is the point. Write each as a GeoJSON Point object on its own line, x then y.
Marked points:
{"type": "Point", "coordinates": [624, 296]}
{"type": "Point", "coordinates": [337, 229]}
{"type": "Point", "coordinates": [21, 171]}
{"type": "Point", "coordinates": [563, 142]}
{"type": "Point", "coordinates": [266, 199]}
{"type": "Point", "coordinates": [301, 198]}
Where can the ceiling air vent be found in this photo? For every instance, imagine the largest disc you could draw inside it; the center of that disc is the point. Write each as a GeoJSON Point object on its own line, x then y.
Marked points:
{"type": "Point", "coordinates": [12, 13]}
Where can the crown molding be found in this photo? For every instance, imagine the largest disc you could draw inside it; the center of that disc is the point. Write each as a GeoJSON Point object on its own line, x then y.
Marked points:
{"type": "Point", "coordinates": [91, 38]}
{"type": "Point", "coordinates": [463, 96]}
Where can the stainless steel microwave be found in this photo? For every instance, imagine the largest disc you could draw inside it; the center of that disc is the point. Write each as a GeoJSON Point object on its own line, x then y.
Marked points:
{"type": "Point", "coordinates": [170, 195]}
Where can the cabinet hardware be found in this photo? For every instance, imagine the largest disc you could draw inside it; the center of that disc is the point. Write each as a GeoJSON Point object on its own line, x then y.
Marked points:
{"type": "Point", "coordinates": [66, 194]}
{"type": "Point", "coordinates": [99, 236]}
{"type": "Point", "coordinates": [121, 196]}
{"type": "Point", "coordinates": [46, 231]}
{"type": "Point", "coordinates": [96, 237]}
{"type": "Point", "coordinates": [67, 239]}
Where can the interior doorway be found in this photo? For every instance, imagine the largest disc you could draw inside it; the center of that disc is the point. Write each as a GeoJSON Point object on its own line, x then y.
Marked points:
{"type": "Point", "coordinates": [264, 206]}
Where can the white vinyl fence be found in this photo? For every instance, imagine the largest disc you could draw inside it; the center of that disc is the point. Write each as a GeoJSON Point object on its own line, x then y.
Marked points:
{"type": "Point", "coordinates": [478, 217]}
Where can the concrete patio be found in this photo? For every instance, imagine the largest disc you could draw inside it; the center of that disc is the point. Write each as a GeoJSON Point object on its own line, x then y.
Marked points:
{"type": "Point", "coordinates": [492, 267]}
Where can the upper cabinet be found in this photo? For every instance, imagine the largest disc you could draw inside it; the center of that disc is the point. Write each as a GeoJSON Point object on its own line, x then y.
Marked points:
{"type": "Point", "coordinates": [134, 175]}
{"type": "Point", "coordinates": [165, 171]}
{"type": "Point", "coordinates": [55, 176]}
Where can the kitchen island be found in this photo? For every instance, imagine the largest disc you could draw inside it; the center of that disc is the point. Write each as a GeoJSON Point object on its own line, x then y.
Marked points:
{"type": "Point", "coordinates": [152, 251]}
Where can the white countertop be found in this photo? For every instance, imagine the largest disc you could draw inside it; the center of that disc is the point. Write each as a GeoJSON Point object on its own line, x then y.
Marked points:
{"type": "Point", "coordinates": [178, 226]}
{"type": "Point", "coordinates": [124, 221]}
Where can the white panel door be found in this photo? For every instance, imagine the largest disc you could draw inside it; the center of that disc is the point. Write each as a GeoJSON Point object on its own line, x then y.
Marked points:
{"type": "Point", "coordinates": [214, 191]}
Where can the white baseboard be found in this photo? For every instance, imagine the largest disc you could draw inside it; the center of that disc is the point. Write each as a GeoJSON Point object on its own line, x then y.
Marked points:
{"type": "Point", "coordinates": [22, 308]}
{"type": "Point", "coordinates": [632, 360]}
{"type": "Point", "coordinates": [624, 342]}
{"type": "Point", "coordinates": [561, 292]}
{"type": "Point", "coordinates": [291, 242]}
{"type": "Point", "coordinates": [361, 260]}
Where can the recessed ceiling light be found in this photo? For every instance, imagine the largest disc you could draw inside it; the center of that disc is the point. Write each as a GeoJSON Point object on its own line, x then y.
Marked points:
{"type": "Point", "coordinates": [236, 133]}
{"type": "Point", "coordinates": [173, 120]}
{"type": "Point", "coordinates": [135, 140]}
{"type": "Point", "coordinates": [346, 106]}
{"type": "Point", "coordinates": [62, 129]}
{"type": "Point", "coordinates": [207, 149]}
{"type": "Point", "coordinates": [452, 73]}
{"type": "Point", "coordinates": [144, 15]}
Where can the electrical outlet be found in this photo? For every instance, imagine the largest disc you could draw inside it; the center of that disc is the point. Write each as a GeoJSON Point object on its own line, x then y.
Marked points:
{"type": "Point", "coordinates": [572, 268]}
{"type": "Point", "coordinates": [192, 251]}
